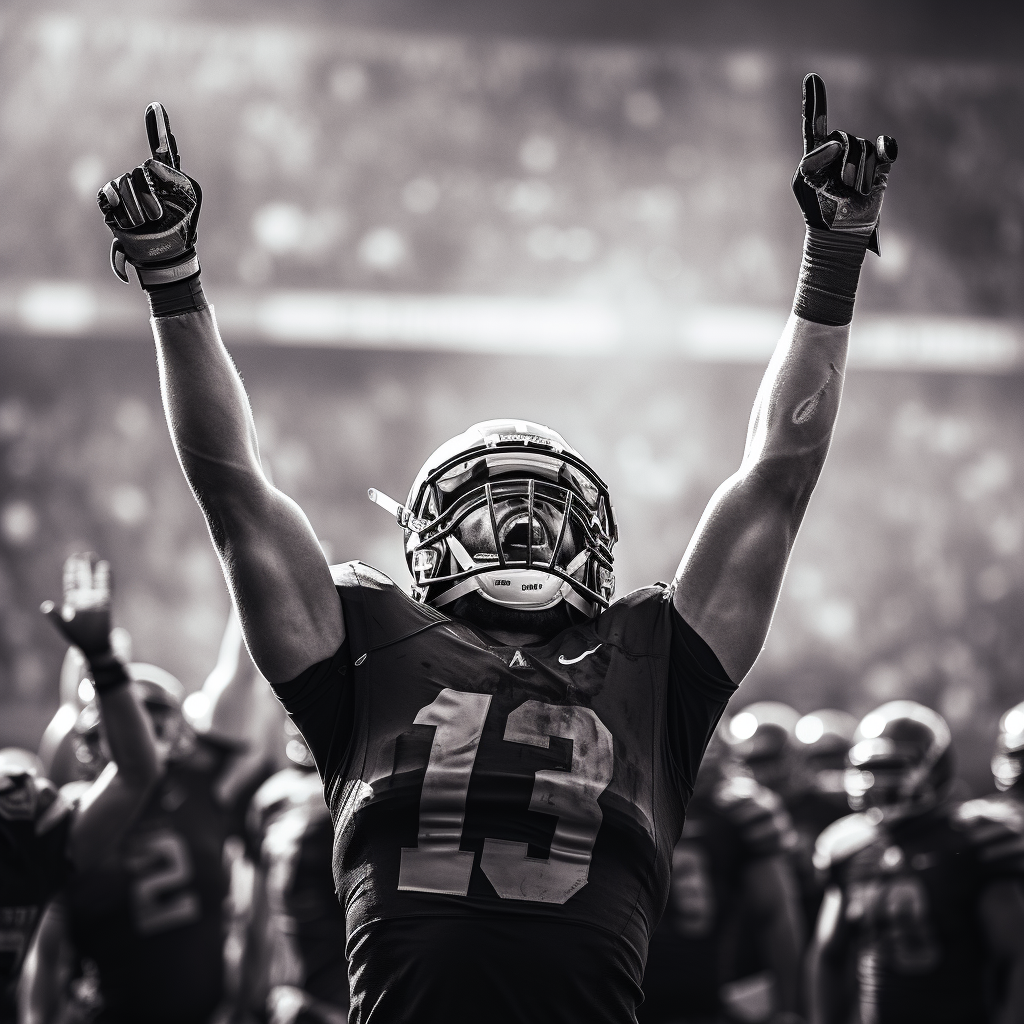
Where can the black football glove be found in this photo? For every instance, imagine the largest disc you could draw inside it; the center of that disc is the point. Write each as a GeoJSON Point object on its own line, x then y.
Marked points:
{"type": "Point", "coordinates": [153, 212]}
{"type": "Point", "coordinates": [84, 618]}
{"type": "Point", "coordinates": [841, 179]}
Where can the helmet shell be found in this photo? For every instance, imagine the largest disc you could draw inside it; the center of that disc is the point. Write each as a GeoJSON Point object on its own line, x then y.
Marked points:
{"type": "Point", "coordinates": [901, 759]}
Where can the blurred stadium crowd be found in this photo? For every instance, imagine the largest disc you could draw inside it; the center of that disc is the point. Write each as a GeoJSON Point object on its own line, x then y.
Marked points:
{"type": "Point", "coordinates": [656, 179]}
{"type": "Point", "coordinates": [384, 164]}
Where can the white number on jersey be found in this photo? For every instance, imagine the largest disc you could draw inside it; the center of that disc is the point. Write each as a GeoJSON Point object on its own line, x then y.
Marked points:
{"type": "Point", "coordinates": [438, 865]}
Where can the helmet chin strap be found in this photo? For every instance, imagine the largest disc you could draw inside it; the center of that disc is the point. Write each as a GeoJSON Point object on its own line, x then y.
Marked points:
{"type": "Point", "coordinates": [537, 580]}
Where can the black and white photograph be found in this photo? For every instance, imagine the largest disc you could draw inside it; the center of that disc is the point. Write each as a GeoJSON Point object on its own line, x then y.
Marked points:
{"type": "Point", "coordinates": [511, 512]}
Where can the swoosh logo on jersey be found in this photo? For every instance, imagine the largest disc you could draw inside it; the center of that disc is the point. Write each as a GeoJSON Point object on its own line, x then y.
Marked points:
{"type": "Point", "coordinates": [563, 660]}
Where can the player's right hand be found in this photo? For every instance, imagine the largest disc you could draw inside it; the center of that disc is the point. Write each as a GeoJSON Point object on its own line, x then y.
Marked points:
{"type": "Point", "coordinates": [84, 617]}
{"type": "Point", "coordinates": [841, 179]}
{"type": "Point", "coordinates": [153, 212]}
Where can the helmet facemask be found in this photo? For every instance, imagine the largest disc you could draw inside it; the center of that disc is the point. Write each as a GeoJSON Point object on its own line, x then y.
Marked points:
{"type": "Point", "coordinates": [516, 518]}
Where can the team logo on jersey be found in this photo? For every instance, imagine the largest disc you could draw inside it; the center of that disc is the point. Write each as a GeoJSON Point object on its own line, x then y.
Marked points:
{"type": "Point", "coordinates": [563, 660]}
{"type": "Point", "coordinates": [519, 661]}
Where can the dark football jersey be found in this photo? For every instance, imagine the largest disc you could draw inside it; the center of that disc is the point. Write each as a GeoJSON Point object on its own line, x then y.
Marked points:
{"type": "Point", "coordinates": [504, 813]}
{"type": "Point", "coordinates": [911, 892]}
{"type": "Point", "coordinates": [292, 838]}
{"type": "Point", "coordinates": [34, 823]}
{"type": "Point", "coordinates": [812, 813]}
{"type": "Point", "coordinates": [730, 824]}
{"type": "Point", "coordinates": [150, 916]}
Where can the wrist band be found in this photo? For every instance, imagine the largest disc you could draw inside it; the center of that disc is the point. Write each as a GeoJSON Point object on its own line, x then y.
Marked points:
{"type": "Point", "coordinates": [175, 299]}
{"type": "Point", "coordinates": [107, 672]}
{"type": "Point", "coordinates": [829, 274]}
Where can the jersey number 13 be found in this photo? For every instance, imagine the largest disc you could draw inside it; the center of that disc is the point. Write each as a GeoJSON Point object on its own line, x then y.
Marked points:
{"type": "Point", "coordinates": [436, 864]}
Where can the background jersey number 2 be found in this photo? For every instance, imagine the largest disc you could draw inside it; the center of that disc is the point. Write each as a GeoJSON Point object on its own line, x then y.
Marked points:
{"type": "Point", "coordinates": [437, 864]}
{"type": "Point", "coordinates": [161, 868]}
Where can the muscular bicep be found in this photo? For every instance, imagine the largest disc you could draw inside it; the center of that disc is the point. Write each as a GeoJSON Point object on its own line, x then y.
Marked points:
{"type": "Point", "coordinates": [729, 579]}
{"type": "Point", "coordinates": [281, 584]}
{"type": "Point", "coordinates": [290, 613]}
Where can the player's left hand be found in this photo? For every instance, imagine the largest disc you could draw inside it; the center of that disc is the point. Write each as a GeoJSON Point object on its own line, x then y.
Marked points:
{"type": "Point", "coordinates": [84, 618]}
{"type": "Point", "coordinates": [841, 179]}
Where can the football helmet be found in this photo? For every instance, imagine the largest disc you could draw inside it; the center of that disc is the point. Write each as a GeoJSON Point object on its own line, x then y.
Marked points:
{"type": "Point", "coordinates": [83, 753]}
{"type": "Point", "coordinates": [901, 760]}
{"type": "Point", "coordinates": [510, 510]}
{"type": "Point", "coordinates": [15, 761]}
{"type": "Point", "coordinates": [824, 738]}
{"type": "Point", "coordinates": [762, 738]}
{"type": "Point", "coordinates": [1008, 759]}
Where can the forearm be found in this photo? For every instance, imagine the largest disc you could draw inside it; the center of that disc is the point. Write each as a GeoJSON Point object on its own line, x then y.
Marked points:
{"type": "Point", "coordinates": [826, 995]}
{"type": "Point", "coordinates": [207, 411]}
{"type": "Point", "coordinates": [230, 705]}
{"type": "Point", "coordinates": [46, 971]}
{"type": "Point", "coordinates": [129, 733]}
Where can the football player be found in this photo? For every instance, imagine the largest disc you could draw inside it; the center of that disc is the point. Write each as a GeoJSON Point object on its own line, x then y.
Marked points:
{"type": "Point", "coordinates": [923, 918]}
{"type": "Point", "coordinates": [765, 738]}
{"type": "Point", "coordinates": [149, 915]}
{"type": "Point", "coordinates": [507, 755]}
{"type": "Point", "coordinates": [44, 835]}
{"type": "Point", "coordinates": [730, 869]}
{"type": "Point", "coordinates": [294, 968]}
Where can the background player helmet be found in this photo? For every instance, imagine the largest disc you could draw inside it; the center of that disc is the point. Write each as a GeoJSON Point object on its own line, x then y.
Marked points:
{"type": "Point", "coordinates": [510, 510]}
{"type": "Point", "coordinates": [901, 761]}
{"type": "Point", "coordinates": [763, 737]}
{"type": "Point", "coordinates": [1008, 759]}
{"type": "Point", "coordinates": [83, 753]}
{"type": "Point", "coordinates": [824, 738]}
{"type": "Point", "coordinates": [15, 761]}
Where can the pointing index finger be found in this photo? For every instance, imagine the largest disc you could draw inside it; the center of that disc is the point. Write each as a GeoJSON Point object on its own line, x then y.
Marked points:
{"type": "Point", "coordinates": [815, 113]}
{"type": "Point", "coordinates": [161, 141]}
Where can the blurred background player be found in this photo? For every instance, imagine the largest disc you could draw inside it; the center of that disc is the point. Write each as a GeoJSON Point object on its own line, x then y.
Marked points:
{"type": "Point", "coordinates": [818, 797]}
{"type": "Point", "coordinates": [1008, 757]}
{"type": "Point", "coordinates": [46, 836]}
{"type": "Point", "coordinates": [293, 972]}
{"type": "Point", "coordinates": [730, 871]}
{"type": "Point", "coordinates": [142, 932]}
{"type": "Point", "coordinates": [764, 737]}
{"type": "Point", "coordinates": [923, 918]}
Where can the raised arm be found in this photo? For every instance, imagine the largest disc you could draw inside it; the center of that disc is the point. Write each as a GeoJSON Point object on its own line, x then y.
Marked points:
{"type": "Point", "coordinates": [729, 579]}
{"type": "Point", "coordinates": [109, 805]}
{"type": "Point", "coordinates": [278, 576]}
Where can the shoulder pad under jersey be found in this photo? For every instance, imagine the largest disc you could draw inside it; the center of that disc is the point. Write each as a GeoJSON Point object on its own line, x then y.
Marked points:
{"type": "Point", "coordinates": [758, 813]}
{"type": "Point", "coordinates": [359, 574]}
{"type": "Point", "coordinates": [631, 622]}
{"type": "Point", "coordinates": [842, 839]}
{"type": "Point", "coordinates": [995, 828]}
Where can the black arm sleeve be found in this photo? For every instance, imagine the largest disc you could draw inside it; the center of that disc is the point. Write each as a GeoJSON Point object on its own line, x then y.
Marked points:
{"type": "Point", "coordinates": [699, 690]}
{"type": "Point", "coordinates": [321, 703]}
